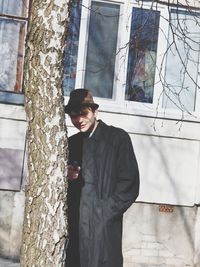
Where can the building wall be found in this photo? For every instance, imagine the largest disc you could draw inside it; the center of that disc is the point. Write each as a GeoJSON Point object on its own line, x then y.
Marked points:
{"type": "Point", "coordinates": [159, 235]}
{"type": "Point", "coordinates": [12, 174]}
{"type": "Point", "coordinates": [11, 221]}
{"type": "Point", "coordinates": [162, 228]}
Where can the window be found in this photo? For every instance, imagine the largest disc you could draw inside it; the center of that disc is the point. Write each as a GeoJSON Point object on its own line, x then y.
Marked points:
{"type": "Point", "coordinates": [71, 48]}
{"type": "Point", "coordinates": [13, 23]}
{"type": "Point", "coordinates": [138, 57]}
{"type": "Point", "coordinates": [142, 55]}
{"type": "Point", "coordinates": [101, 52]}
{"type": "Point", "coordinates": [181, 74]}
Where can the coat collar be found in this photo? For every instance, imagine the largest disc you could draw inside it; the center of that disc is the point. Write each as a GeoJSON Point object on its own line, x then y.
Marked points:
{"type": "Point", "coordinates": [99, 133]}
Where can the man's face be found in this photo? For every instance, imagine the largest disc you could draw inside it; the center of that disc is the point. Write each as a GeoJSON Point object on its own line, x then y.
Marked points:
{"type": "Point", "coordinates": [85, 120]}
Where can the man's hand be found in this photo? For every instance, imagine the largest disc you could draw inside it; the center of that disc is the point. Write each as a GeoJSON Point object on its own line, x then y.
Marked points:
{"type": "Point", "coordinates": [73, 171]}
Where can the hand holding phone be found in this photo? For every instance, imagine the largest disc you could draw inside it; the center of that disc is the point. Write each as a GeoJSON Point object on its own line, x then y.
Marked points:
{"type": "Point", "coordinates": [73, 170]}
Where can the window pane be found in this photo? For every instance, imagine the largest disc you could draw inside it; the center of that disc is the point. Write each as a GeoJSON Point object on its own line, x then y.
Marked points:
{"type": "Point", "coordinates": [142, 55]}
{"type": "Point", "coordinates": [102, 42]}
{"type": "Point", "coordinates": [11, 54]}
{"type": "Point", "coordinates": [14, 7]}
{"type": "Point", "coordinates": [182, 61]}
{"type": "Point", "coordinates": [71, 48]}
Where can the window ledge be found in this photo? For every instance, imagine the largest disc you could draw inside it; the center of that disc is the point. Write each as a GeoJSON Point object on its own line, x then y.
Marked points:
{"type": "Point", "coordinates": [13, 112]}
{"type": "Point", "coordinates": [149, 110]}
{"type": "Point", "coordinates": [144, 110]}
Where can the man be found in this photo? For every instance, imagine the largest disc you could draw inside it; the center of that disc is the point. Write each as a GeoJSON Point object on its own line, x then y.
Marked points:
{"type": "Point", "coordinates": [103, 182]}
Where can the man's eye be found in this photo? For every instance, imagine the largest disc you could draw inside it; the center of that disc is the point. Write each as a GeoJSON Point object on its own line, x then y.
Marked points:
{"type": "Point", "coordinates": [73, 116]}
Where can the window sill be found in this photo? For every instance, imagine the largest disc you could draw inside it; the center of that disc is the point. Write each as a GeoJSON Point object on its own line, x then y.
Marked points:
{"type": "Point", "coordinates": [147, 110]}
{"type": "Point", "coordinates": [144, 110]}
{"type": "Point", "coordinates": [11, 98]}
{"type": "Point", "coordinates": [13, 112]}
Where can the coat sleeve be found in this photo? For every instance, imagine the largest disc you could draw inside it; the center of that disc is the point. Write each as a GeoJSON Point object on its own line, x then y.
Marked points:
{"type": "Point", "coordinates": [127, 180]}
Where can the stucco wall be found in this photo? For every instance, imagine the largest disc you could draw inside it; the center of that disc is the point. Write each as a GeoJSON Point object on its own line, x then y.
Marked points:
{"type": "Point", "coordinates": [154, 235]}
{"type": "Point", "coordinates": [12, 176]}
{"type": "Point", "coordinates": [159, 235]}
{"type": "Point", "coordinates": [11, 220]}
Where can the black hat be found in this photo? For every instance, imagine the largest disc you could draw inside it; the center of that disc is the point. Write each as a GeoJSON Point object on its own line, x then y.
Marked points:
{"type": "Point", "coordinates": [80, 98]}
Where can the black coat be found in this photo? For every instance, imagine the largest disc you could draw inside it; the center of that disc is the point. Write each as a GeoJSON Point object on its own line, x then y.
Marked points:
{"type": "Point", "coordinates": [107, 186]}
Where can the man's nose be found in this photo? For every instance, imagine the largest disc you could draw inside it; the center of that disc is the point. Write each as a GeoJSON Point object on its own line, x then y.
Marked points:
{"type": "Point", "coordinates": [80, 118]}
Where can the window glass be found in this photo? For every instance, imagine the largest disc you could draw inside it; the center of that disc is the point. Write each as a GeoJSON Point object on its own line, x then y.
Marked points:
{"type": "Point", "coordinates": [14, 7]}
{"type": "Point", "coordinates": [71, 48]}
{"type": "Point", "coordinates": [142, 55]}
{"type": "Point", "coordinates": [13, 23]}
{"type": "Point", "coordinates": [182, 61]}
{"type": "Point", "coordinates": [101, 52]}
{"type": "Point", "coordinates": [11, 54]}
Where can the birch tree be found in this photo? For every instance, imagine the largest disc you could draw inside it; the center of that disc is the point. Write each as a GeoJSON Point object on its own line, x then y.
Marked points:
{"type": "Point", "coordinates": [45, 223]}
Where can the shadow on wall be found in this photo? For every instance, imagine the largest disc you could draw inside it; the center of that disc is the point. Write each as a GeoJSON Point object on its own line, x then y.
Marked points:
{"type": "Point", "coordinates": [163, 233]}
{"type": "Point", "coordinates": [11, 168]}
{"type": "Point", "coordinates": [11, 221]}
{"type": "Point", "coordinates": [11, 202]}
{"type": "Point", "coordinates": [176, 168]}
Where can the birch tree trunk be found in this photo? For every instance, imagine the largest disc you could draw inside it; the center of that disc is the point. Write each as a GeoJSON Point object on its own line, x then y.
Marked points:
{"type": "Point", "coordinates": [45, 224]}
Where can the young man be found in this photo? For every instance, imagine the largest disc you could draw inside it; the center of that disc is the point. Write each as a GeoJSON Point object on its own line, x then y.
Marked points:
{"type": "Point", "coordinates": [103, 182]}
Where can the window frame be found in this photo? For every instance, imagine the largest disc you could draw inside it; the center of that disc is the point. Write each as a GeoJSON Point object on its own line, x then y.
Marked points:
{"type": "Point", "coordinates": [118, 104]}
{"type": "Point", "coordinates": [191, 115]}
{"type": "Point", "coordinates": [12, 97]}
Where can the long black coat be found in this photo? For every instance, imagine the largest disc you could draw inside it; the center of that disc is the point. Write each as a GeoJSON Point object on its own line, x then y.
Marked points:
{"type": "Point", "coordinates": [107, 186]}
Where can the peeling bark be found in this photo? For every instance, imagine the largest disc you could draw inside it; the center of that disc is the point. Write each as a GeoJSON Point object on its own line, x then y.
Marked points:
{"type": "Point", "coordinates": [45, 224]}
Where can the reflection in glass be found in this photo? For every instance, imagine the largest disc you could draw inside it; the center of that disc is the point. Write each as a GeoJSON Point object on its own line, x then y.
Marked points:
{"type": "Point", "coordinates": [142, 55]}
{"type": "Point", "coordinates": [182, 61]}
{"type": "Point", "coordinates": [11, 54]}
{"type": "Point", "coordinates": [71, 48]}
{"type": "Point", "coordinates": [14, 7]}
{"type": "Point", "coordinates": [102, 41]}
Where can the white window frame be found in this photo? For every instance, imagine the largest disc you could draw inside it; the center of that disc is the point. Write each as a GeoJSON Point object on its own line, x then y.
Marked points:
{"type": "Point", "coordinates": [192, 115]}
{"type": "Point", "coordinates": [118, 104]}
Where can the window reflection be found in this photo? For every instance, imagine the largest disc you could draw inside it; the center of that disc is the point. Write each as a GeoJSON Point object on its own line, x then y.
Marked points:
{"type": "Point", "coordinates": [11, 54]}
{"type": "Point", "coordinates": [13, 22]}
{"type": "Point", "coordinates": [71, 48]}
{"type": "Point", "coordinates": [102, 44]}
{"type": "Point", "coordinates": [142, 55]}
{"type": "Point", "coordinates": [181, 71]}
{"type": "Point", "coordinates": [14, 7]}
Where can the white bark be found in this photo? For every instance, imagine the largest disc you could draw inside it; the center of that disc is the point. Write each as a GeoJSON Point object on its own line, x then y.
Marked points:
{"type": "Point", "coordinates": [45, 224]}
